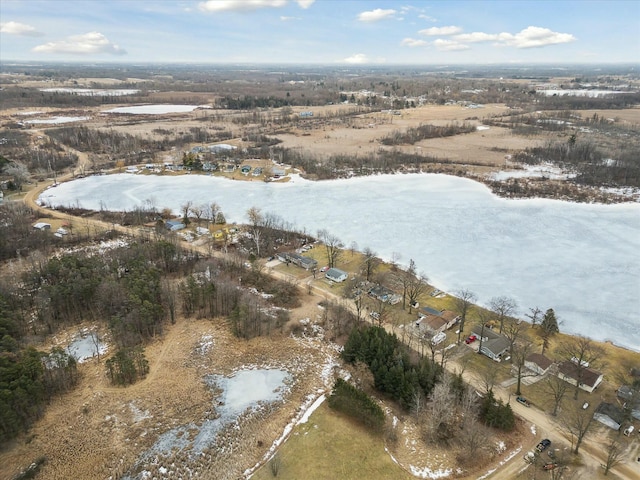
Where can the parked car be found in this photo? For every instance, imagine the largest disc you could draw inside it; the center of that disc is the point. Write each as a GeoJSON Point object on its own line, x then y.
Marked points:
{"type": "Point", "coordinates": [530, 457]}
{"type": "Point", "coordinates": [585, 405]}
{"type": "Point", "coordinates": [542, 446]}
{"type": "Point", "coordinates": [324, 269]}
{"type": "Point", "coordinates": [470, 339]}
{"type": "Point", "coordinates": [523, 401]}
{"type": "Point", "coordinates": [549, 466]}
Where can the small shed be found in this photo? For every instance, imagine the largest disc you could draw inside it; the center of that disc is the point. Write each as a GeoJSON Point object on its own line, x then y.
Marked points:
{"type": "Point", "coordinates": [336, 275]}
{"type": "Point", "coordinates": [42, 226]}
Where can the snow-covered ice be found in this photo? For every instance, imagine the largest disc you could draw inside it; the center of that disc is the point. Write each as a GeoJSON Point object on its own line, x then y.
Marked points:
{"type": "Point", "coordinates": [55, 120]}
{"type": "Point", "coordinates": [153, 109]}
{"type": "Point", "coordinates": [582, 260]}
{"type": "Point", "coordinates": [92, 92]}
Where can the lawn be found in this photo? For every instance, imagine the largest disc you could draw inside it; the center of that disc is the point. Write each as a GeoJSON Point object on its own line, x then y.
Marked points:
{"type": "Point", "coordinates": [331, 446]}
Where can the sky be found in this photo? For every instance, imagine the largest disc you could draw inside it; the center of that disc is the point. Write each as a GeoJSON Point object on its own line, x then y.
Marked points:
{"type": "Point", "coordinates": [326, 32]}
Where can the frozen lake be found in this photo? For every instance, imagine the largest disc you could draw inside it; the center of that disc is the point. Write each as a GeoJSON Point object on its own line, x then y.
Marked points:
{"type": "Point", "coordinates": [581, 260]}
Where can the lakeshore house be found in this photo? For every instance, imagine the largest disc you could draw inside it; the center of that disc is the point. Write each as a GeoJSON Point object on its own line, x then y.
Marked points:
{"type": "Point", "coordinates": [631, 398]}
{"type": "Point", "coordinates": [569, 372]}
{"type": "Point", "coordinates": [538, 363]}
{"type": "Point", "coordinates": [336, 275]}
{"type": "Point", "coordinates": [493, 345]}
{"type": "Point", "coordinates": [436, 320]}
{"type": "Point", "coordinates": [307, 263]}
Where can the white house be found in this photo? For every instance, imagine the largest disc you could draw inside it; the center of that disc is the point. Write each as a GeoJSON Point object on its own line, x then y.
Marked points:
{"type": "Point", "coordinates": [42, 226]}
{"type": "Point", "coordinates": [336, 275]}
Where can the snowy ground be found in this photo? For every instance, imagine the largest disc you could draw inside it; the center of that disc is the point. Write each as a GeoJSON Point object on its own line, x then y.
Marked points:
{"type": "Point", "coordinates": [583, 260]}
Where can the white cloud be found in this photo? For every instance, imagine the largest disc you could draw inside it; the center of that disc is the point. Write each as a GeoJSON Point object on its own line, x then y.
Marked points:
{"type": "Point", "coordinates": [288, 19]}
{"type": "Point", "coordinates": [358, 58]}
{"type": "Point", "coordinates": [476, 37]}
{"type": "Point", "coordinates": [376, 15]}
{"type": "Point", "coordinates": [240, 5]}
{"type": "Point", "coordinates": [449, 45]}
{"type": "Point", "coordinates": [305, 3]}
{"type": "Point", "coordinates": [17, 28]}
{"type": "Point", "coordinates": [412, 42]}
{"type": "Point", "coordinates": [89, 43]}
{"type": "Point", "coordinates": [426, 17]}
{"type": "Point", "coordinates": [532, 37]}
{"type": "Point", "coordinates": [435, 31]}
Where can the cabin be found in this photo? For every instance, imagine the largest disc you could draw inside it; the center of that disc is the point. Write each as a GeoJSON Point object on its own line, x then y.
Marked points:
{"type": "Point", "coordinates": [336, 275]}
{"type": "Point", "coordinates": [437, 320]}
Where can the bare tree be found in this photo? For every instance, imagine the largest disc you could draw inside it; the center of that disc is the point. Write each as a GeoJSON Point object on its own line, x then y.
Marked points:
{"type": "Point", "coordinates": [614, 452]}
{"type": "Point", "coordinates": [534, 315]}
{"type": "Point", "coordinates": [440, 417]}
{"type": "Point", "coordinates": [185, 208]}
{"type": "Point", "coordinates": [353, 247]}
{"type": "Point", "coordinates": [463, 302]}
{"type": "Point", "coordinates": [212, 211]}
{"type": "Point", "coordinates": [556, 388]}
{"type": "Point", "coordinates": [519, 355]}
{"type": "Point", "coordinates": [198, 211]}
{"type": "Point", "coordinates": [577, 422]}
{"type": "Point", "coordinates": [583, 352]}
{"type": "Point", "coordinates": [504, 307]}
{"type": "Point", "coordinates": [472, 438]}
{"type": "Point", "coordinates": [19, 172]}
{"type": "Point", "coordinates": [513, 329]}
{"type": "Point", "coordinates": [413, 285]}
{"type": "Point", "coordinates": [333, 246]}
{"type": "Point", "coordinates": [369, 264]}
{"type": "Point", "coordinates": [256, 218]}
{"type": "Point", "coordinates": [488, 377]}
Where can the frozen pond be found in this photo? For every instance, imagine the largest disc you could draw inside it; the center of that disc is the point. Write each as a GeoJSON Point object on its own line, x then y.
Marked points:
{"type": "Point", "coordinates": [86, 346]}
{"type": "Point", "coordinates": [582, 260]}
{"type": "Point", "coordinates": [242, 393]}
{"type": "Point", "coordinates": [154, 109]}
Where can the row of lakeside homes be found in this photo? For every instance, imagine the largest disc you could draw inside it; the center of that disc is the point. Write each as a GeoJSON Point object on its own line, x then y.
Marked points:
{"type": "Point", "coordinates": [566, 370]}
